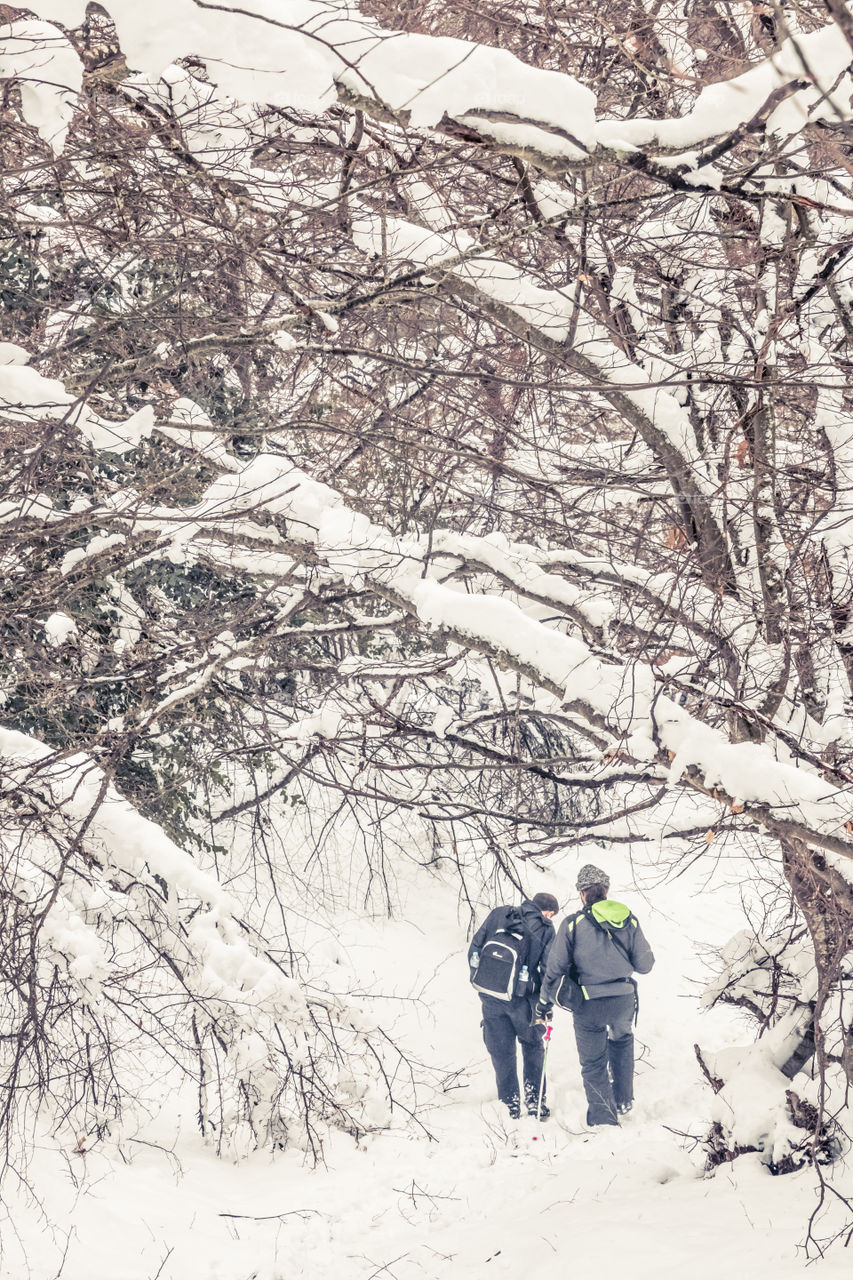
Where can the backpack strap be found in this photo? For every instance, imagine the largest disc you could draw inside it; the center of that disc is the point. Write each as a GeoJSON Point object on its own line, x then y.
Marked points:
{"type": "Point", "coordinates": [620, 946]}
{"type": "Point", "coordinates": [516, 928]}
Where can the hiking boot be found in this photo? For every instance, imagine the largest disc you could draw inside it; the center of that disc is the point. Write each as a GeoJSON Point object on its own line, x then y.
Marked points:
{"type": "Point", "coordinates": [514, 1109]}
{"type": "Point", "coordinates": [623, 1107]}
{"type": "Point", "coordinates": [543, 1112]}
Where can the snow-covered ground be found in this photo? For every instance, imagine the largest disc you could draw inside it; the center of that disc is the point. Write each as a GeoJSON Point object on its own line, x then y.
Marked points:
{"type": "Point", "coordinates": [477, 1197]}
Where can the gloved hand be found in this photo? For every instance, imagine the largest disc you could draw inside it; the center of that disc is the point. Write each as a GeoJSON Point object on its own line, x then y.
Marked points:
{"type": "Point", "coordinates": [543, 1011]}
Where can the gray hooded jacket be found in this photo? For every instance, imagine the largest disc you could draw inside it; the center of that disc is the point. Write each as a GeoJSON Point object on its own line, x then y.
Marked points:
{"type": "Point", "coordinates": [600, 953]}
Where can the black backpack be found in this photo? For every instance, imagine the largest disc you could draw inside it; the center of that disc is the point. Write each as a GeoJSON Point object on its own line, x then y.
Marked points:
{"type": "Point", "coordinates": [500, 968]}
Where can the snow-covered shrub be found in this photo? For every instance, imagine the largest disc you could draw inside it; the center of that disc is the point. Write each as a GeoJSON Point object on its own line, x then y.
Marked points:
{"type": "Point", "coordinates": [126, 969]}
{"type": "Point", "coordinates": [775, 1096]}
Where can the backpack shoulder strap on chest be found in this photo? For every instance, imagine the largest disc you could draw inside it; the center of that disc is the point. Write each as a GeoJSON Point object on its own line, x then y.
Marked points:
{"type": "Point", "coordinates": [602, 928]}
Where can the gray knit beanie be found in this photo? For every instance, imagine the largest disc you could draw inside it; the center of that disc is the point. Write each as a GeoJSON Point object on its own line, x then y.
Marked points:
{"type": "Point", "coordinates": [590, 875]}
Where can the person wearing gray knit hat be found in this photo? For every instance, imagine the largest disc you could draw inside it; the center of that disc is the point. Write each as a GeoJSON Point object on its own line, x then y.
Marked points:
{"type": "Point", "coordinates": [589, 972]}
{"type": "Point", "coordinates": [589, 875]}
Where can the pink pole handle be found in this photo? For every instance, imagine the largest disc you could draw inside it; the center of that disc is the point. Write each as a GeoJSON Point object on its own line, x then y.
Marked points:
{"type": "Point", "coordinates": [548, 1030]}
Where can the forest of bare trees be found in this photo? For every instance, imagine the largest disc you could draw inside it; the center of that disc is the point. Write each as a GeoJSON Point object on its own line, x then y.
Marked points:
{"type": "Point", "coordinates": [432, 423]}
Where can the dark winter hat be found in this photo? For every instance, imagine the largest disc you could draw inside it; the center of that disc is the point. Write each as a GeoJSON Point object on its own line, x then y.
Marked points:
{"type": "Point", "coordinates": [545, 902]}
{"type": "Point", "coordinates": [589, 875]}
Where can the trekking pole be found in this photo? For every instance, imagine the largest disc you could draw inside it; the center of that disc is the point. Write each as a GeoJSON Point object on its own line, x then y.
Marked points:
{"type": "Point", "coordinates": [547, 1040]}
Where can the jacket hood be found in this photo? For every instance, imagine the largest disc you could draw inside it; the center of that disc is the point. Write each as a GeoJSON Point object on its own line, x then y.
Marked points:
{"type": "Point", "coordinates": [616, 914]}
{"type": "Point", "coordinates": [530, 915]}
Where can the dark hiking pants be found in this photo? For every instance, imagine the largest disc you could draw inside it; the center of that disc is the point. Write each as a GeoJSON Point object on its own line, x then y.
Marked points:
{"type": "Point", "coordinates": [606, 1049]}
{"type": "Point", "coordinates": [505, 1026]}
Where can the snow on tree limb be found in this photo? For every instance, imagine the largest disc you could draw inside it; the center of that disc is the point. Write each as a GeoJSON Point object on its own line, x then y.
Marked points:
{"type": "Point", "coordinates": [299, 57]}
{"type": "Point", "coordinates": [554, 320]}
{"type": "Point", "coordinates": [816, 60]}
{"type": "Point", "coordinates": [121, 838]}
{"type": "Point", "coordinates": [623, 700]}
{"type": "Point", "coordinates": [26, 396]}
{"type": "Point", "coordinates": [48, 72]}
{"type": "Point", "coordinates": [614, 696]}
{"type": "Point", "coordinates": [317, 52]}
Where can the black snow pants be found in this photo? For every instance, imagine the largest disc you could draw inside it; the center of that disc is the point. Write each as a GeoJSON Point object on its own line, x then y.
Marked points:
{"type": "Point", "coordinates": [505, 1026]}
{"type": "Point", "coordinates": [605, 1041]}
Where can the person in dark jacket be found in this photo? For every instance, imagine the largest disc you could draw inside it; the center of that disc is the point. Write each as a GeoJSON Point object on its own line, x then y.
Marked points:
{"type": "Point", "coordinates": [600, 947]}
{"type": "Point", "coordinates": [508, 1024]}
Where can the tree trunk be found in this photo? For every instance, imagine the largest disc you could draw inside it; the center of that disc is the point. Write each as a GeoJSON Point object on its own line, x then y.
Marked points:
{"type": "Point", "coordinates": [826, 901]}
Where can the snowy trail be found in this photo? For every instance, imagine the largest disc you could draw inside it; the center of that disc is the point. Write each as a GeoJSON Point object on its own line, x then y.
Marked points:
{"type": "Point", "coordinates": [481, 1199]}
{"type": "Point", "coordinates": [479, 1202]}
